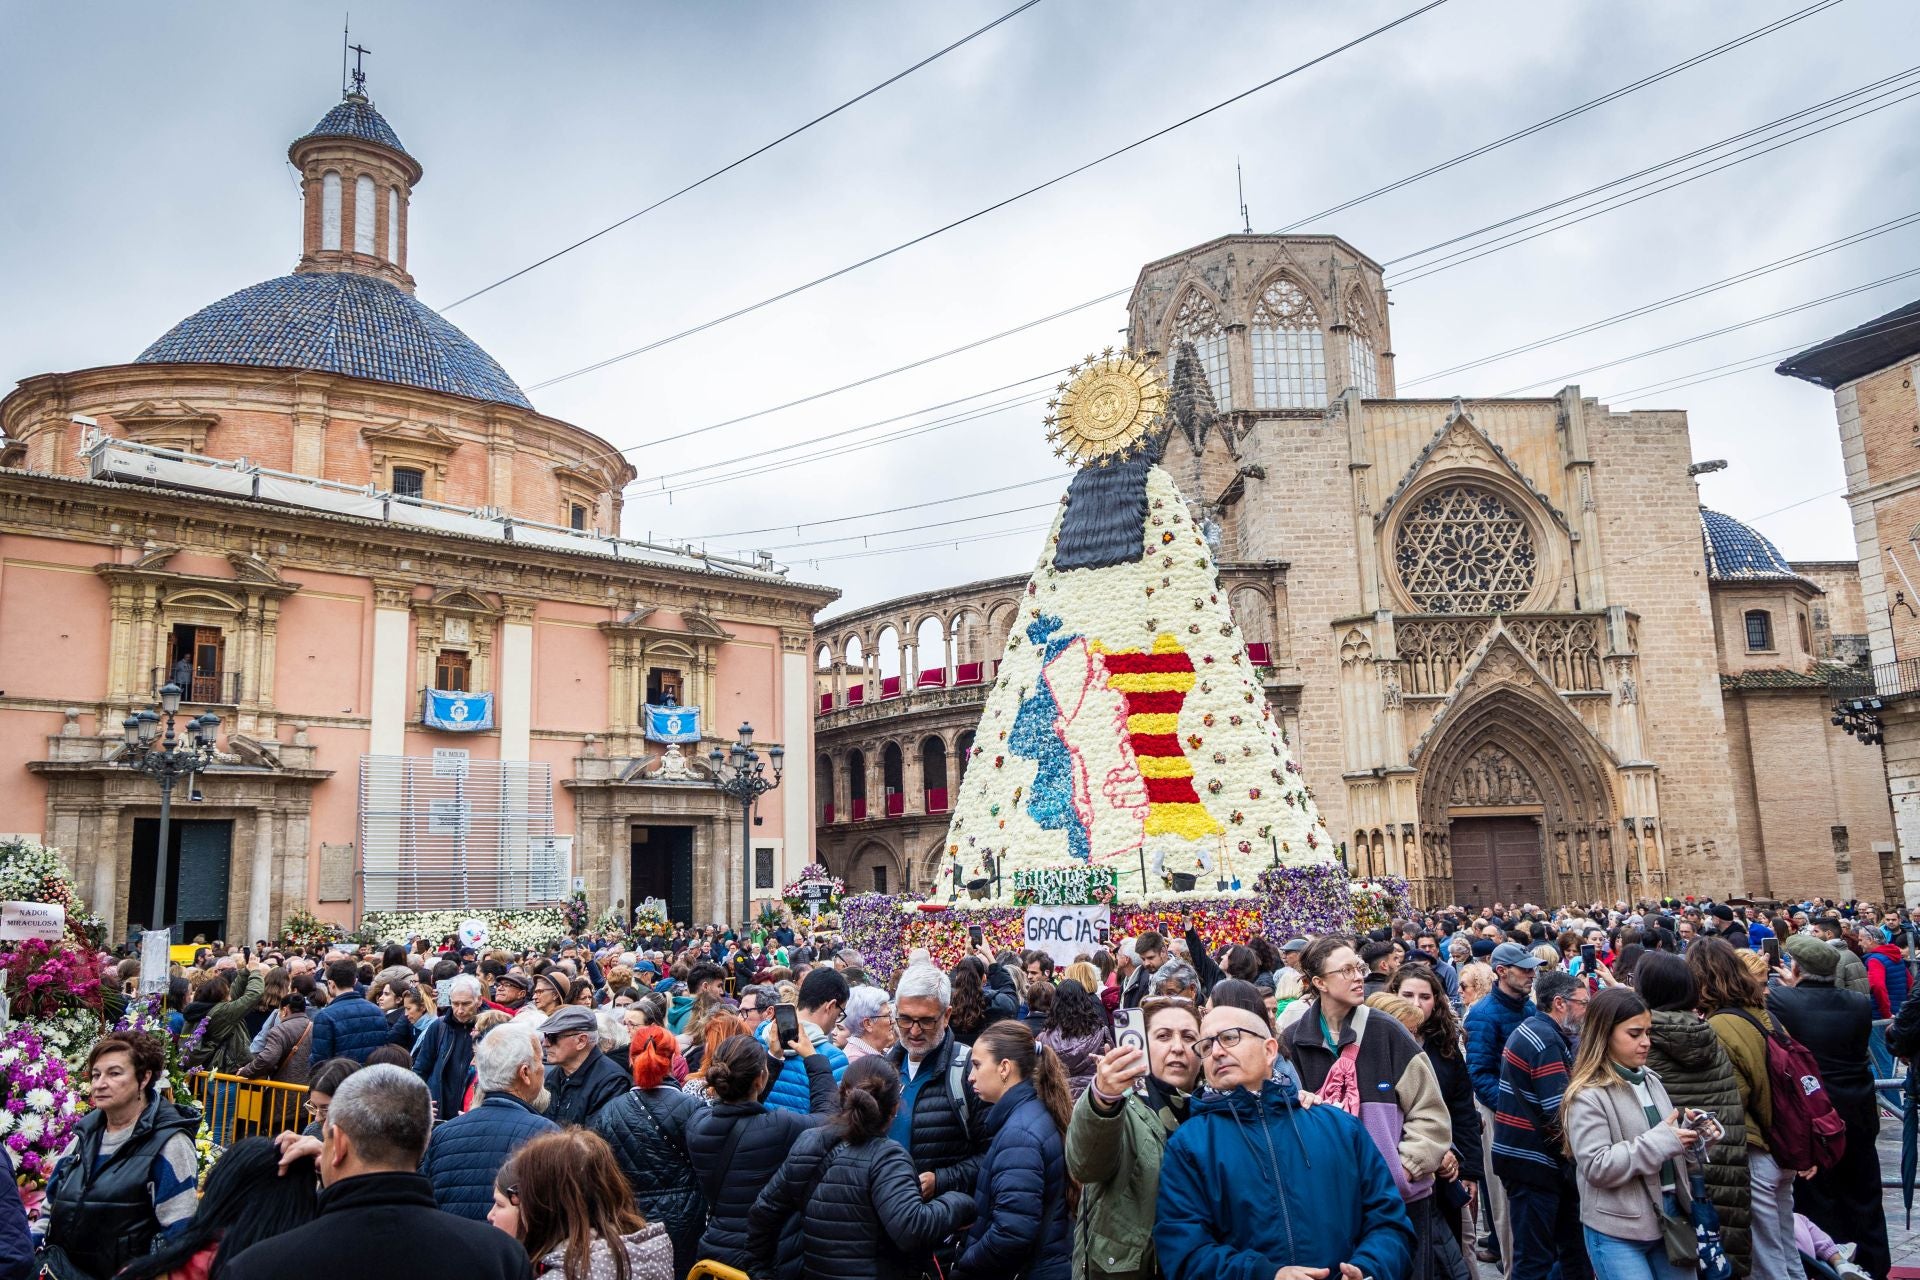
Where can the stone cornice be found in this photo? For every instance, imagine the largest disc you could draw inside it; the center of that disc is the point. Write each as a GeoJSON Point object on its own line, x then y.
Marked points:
{"type": "Point", "coordinates": [109, 513]}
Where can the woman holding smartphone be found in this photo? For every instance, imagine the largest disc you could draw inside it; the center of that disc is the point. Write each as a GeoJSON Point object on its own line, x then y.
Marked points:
{"type": "Point", "coordinates": [1628, 1144]}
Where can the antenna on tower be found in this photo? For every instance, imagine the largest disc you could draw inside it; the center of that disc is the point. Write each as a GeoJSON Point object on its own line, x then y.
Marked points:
{"type": "Point", "coordinates": [346, 29]}
{"type": "Point", "coordinates": [1246, 223]}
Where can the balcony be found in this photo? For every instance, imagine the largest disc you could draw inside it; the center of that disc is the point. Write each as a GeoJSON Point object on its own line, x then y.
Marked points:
{"type": "Point", "coordinates": [936, 799]}
{"type": "Point", "coordinates": [206, 688]}
{"type": "Point", "coordinates": [1870, 686]}
{"type": "Point", "coordinates": [896, 804]}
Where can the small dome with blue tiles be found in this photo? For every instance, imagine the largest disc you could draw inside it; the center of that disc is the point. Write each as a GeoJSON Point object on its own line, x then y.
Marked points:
{"type": "Point", "coordinates": [341, 322]}
{"type": "Point", "coordinates": [1739, 553]}
{"type": "Point", "coordinates": [355, 118]}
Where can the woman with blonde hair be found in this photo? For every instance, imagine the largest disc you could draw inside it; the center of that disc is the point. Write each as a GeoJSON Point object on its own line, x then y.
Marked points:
{"type": "Point", "coordinates": [1628, 1146]}
{"type": "Point", "coordinates": [561, 1195]}
{"type": "Point", "coordinates": [1399, 1008]}
{"type": "Point", "coordinates": [1476, 980]}
{"type": "Point", "coordinates": [1083, 972]}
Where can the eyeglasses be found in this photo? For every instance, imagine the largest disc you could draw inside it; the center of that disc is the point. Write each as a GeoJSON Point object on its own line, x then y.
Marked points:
{"type": "Point", "coordinates": [1229, 1039]}
{"type": "Point", "coordinates": [1354, 970]}
{"type": "Point", "coordinates": [918, 1024]}
{"type": "Point", "coordinates": [318, 1110]}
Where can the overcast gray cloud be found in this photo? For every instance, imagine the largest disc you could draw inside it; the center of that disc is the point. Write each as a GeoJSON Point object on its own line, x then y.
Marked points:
{"type": "Point", "coordinates": [142, 150]}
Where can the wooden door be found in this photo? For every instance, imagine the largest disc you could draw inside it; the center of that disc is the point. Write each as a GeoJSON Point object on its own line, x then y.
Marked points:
{"type": "Point", "coordinates": [209, 645]}
{"type": "Point", "coordinates": [1497, 860]}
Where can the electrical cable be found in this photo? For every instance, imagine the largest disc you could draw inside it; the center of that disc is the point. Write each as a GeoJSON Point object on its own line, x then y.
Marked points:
{"type": "Point", "coordinates": [912, 528]}
{"type": "Point", "coordinates": [817, 561]}
{"type": "Point", "coordinates": [1693, 378]}
{"type": "Point", "coordinates": [758, 151]}
{"type": "Point", "coordinates": [886, 511]}
{"type": "Point", "coordinates": [870, 259]}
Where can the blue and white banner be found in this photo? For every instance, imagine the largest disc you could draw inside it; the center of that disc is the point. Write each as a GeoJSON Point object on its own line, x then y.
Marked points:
{"type": "Point", "coordinates": [459, 712]}
{"type": "Point", "coordinates": [673, 723]}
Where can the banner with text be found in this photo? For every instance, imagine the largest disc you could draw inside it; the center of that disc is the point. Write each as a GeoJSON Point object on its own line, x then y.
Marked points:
{"type": "Point", "coordinates": [22, 920]}
{"type": "Point", "coordinates": [1065, 932]}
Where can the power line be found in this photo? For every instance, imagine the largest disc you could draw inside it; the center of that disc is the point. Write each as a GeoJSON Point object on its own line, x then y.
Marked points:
{"type": "Point", "coordinates": [816, 561]}
{"type": "Point", "coordinates": [913, 528]}
{"type": "Point", "coordinates": [1713, 372]}
{"type": "Point", "coordinates": [1688, 295]}
{"type": "Point", "coordinates": [885, 511]}
{"type": "Point", "coordinates": [758, 151]}
{"type": "Point", "coordinates": [870, 259]}
{"type": "Point", "coordinates": [1077, 307]}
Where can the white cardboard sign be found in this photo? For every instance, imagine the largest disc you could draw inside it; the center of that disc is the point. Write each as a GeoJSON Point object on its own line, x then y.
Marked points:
{"type": "Point", "coordinates": [1065, 932]}
{"type": "Point", "coordinates": [22, 920]}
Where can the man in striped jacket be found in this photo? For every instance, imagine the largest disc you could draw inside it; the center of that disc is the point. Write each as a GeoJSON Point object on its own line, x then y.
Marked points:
{"type": "Point", "coordinates": [1528, 1154]}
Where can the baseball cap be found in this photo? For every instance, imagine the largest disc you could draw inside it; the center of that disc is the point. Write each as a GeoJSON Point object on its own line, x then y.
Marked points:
{"type": "Point", "coordinates": [1512, 954]}
{"type": "Point", "coordinates": [566, 1021]}
{"type": "Point", "coordinates": [515, 979]}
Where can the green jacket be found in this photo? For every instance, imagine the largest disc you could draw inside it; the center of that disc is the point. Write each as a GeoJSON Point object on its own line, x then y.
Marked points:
{"type": "Point", "coordinates": [1116, 1160]}
{"type": "Point", "coordinates": [1852, 973]}
{"type": "Point", "coordinates": [225, 1046]}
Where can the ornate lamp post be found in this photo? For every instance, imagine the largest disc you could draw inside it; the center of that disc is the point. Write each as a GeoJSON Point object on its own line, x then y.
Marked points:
{"type": "Point", "coordinates": [166, 757]}
{"type": "Point", "coordinates": [738, 771]}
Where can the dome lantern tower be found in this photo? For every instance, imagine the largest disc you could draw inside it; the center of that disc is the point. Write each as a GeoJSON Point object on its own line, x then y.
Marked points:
{"type": "Point", "coordinates": [355, 180]}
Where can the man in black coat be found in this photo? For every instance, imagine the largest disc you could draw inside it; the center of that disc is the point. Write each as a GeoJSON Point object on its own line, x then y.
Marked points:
{"type": "Point", "coordinates": [1834, 1025]}
{"type": "Point", "coordinates": [941, 1121]}
{"type": "Point", "coordinates": [580, 1077]}
{"type": "Point", "coordinates": [377, 1216]}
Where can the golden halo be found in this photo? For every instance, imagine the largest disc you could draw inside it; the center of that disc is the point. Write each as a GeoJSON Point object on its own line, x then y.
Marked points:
{"type": "Point", "coordinates": [1105, 408]}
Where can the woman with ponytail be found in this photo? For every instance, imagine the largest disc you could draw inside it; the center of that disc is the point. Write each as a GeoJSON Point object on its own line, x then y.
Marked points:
{"type": "Point", "coordinates": [1021, 1193]}
{"type": "Point", "coordinates": [647, 1130]}
{"type": "Point", "coordinates": [853, 1193]}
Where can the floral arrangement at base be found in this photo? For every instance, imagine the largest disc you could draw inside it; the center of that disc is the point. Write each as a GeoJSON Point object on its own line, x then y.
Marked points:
{"type": "Point", "coordinates": [650, 917]}
{"type": "Point", "coordinates": [609, 923]}
{"type": "Point", "coordinates": [40, 1110]}
{"type": "Point", "coordinates": [1285, 902]}
{"type": "Point", "coordinates": [1376, 902]}
{"type": "Point", "coordinates": [32, 872]}
{"type": "Point", "coordinates": [574, 912]}
{"type": "Point", "coordinates": [56, 989]}
{"type": "Point", "coordinates": [770, 917]}
{"type": "Point", "coordinates": [795, 892]}
{"type": "Point", "coordinates": [304, 931]}
{"type": "Point", "coordinates": [519, 929]}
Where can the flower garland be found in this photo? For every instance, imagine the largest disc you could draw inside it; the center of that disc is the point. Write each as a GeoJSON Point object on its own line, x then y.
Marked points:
{"type": "Point", "coordinates": [32, 872]}
{"type": "Point", "coordinates": [524, 929]}
{"type": "Point", "coordinates": [40, 1110]}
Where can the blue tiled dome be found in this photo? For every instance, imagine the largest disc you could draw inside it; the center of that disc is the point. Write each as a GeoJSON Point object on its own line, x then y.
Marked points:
{"type": "Point", "coordinates": [356, 118]}
{"type": "Point", "coordinates": [1738, 553]}
{"type": "Point", "coordinates": [338, 322]}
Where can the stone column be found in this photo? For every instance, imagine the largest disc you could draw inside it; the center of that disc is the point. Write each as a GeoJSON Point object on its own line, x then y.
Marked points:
{"type": "Point", "coordinates": [514, 689]}
{"type": "Point", "coordinates": [260, 887]}
{"type": "Point", "coordinates": [392, 619]}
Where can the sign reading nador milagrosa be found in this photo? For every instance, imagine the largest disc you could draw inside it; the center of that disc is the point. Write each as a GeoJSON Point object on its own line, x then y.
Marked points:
{"type": "Point", "coordinates": [1065, 932]}
{"type": "Point", "coordinates": [22, 920]}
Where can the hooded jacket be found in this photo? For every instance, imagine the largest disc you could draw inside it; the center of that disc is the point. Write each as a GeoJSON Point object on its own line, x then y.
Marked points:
{"type": "Point", "coordinates": [764, 1137]}
{"type": "Point", "coordinates": [790, 1090]}
{"type": "Point", "coordinates": [1690, 1061]}
{"type": "Point", "coordinates": [1020, 1230]}
{"type": "Point", "coordinates": [1077, 1054]}
{"type": "Point", "coordinates": [1115, 1157]}
{"type": "Point", "coordinates": [1887, 979]}
{"type": "Point", "coordinates": [1252, 1183]}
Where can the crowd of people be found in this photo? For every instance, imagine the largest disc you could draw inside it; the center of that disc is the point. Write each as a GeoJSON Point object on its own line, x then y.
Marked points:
{"type": "Point", "coordinates": [1625, 1092]}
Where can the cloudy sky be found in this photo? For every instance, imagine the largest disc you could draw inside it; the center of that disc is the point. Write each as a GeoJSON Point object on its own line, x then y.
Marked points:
{"type": "Point", "coordinates": [142, 151]}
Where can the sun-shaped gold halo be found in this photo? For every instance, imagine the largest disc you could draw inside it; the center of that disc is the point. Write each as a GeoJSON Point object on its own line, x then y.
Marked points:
{"type": "Point", "coordinates": [1105, 407]}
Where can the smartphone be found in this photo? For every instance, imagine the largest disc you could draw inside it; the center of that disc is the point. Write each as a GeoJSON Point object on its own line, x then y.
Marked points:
{"type": "Point", "coordinates": [1589, 956]}
{"type": "Point", "coordinates": [975, 935]}
{"type": "Point", "coordinates": [1106, 936]}
{"type": "Point", "coordinates": [1130, 1032]}
{"type": "Point", "coordinates": [1771, 946]}
{"type": "Point", "coordinates": [786, 1023]}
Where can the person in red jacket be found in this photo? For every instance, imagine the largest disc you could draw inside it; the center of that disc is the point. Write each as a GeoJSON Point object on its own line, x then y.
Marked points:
{"type": "Point", "coordinates": [1887, 973]}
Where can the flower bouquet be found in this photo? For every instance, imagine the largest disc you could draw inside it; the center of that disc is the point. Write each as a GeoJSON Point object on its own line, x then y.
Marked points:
{"type": "Point", "coordinates": [304, 931]}
{"type": "Point", "coordinates": [40, 1110]}
{"type": "Point", "coordinates": [575, 913]}
{"type": "Point", "coordinates": [55, 989]}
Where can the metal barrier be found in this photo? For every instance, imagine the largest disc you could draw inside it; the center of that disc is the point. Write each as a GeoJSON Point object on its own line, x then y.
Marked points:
{"type": "Point", "coordinates": [234, 1107]}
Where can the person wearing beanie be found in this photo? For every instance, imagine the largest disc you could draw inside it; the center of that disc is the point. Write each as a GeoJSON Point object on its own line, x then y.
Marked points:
{"type": "Point", "coordinates": [1834, 1024]}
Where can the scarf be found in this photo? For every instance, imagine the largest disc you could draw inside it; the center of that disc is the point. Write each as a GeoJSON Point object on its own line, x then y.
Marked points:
{"type": "Point", "coordinates": [1341, 1088]}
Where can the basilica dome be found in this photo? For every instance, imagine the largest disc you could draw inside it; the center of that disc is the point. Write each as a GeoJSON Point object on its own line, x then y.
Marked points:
{"type": "Point", "coordinates": [1739, 553]}
{"type": "Point", "coordinates": [341, 322]}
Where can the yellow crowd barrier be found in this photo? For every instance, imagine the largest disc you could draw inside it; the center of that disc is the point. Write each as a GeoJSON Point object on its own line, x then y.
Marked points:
{"type": "Point", "coordinates": [236, 1108]}
{"type": "Point", "coordinates": [706, 1269]}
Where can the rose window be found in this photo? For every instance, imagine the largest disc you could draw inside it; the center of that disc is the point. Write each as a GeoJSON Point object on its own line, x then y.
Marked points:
{"type": "Point", "coordinates": [1462, 549]}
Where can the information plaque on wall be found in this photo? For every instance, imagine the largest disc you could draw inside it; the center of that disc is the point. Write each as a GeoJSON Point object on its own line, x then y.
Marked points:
{"type": "Point", "coordinates": [336, 872]}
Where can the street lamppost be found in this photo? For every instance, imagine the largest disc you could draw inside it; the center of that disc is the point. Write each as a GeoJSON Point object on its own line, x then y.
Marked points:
{"type": "Point", "coordinates": [739, 772]}
{"type": "Point", "coordinates": [166, 757]}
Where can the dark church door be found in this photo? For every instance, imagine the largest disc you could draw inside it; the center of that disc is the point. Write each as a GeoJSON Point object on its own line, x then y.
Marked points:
{"type": "Point", "coordinates": [662, 868]}
{"type": "Point", "coordinates": [1497, 860]}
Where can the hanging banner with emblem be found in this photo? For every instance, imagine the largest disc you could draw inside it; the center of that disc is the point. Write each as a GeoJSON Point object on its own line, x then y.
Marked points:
{"type": "Point", "coordinates": [459, 712]}
{"type": "Point", "coordinates": [673, 723]}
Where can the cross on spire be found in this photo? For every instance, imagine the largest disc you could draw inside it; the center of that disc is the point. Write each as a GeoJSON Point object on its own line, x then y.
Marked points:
{"type": "Point", "coordinates": [359, 71]}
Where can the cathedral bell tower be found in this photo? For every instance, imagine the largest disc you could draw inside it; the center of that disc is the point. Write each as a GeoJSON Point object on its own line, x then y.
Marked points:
{"type": "Point", "coordinates": [355, 180]}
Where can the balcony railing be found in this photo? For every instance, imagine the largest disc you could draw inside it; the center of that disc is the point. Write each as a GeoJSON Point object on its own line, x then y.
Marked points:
{"type": "Point", "coordinates": [1884, 683]}
{"type": "Point", "coordinates": [212, 688]}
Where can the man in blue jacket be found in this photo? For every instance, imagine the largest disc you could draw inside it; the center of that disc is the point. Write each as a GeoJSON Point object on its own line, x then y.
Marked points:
{"type": "Point", "coordinates": [1253, 1186]}
{"type": "Point", "coordinates": [823, 994]}
{"type": "Point", "coordinates": [1490, 1023]}
{"type": "Point", "coordinates": [351, 1026]}
{"type": "Point", "coordinates": [466, 1152]}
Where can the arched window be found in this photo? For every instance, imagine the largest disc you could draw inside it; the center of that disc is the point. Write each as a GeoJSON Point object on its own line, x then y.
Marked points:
{"type": "Point", "coordinates": [1289, 350]}
{"type": "Point", "coordinates": [1363, 366]}
{"type": "Point", "coordinates": [1198, 323]}
{"type": "Point", "coordinates": [1462, 549]}
{"type": "Point", "coordinates": [893, 781]}
{"type": "Point", "coordinates": [933, 774]}
{"type": "Point", "coordinates": [857, 785]}
{"type": "Point", "coordinates": [363, 215]}
{"type": "Point", "coordinates": [330, 211]}
{"type": "Point", "coordinates": [1759, 630]}
{"type": "Point", "coordinates": [393, 225]}
{"type": "Point", "coordinates": [823, 780]}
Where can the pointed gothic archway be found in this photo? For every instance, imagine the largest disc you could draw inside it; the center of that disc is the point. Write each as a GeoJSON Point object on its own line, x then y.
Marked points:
{"type": "Point", "coordinates": [1516, 801]}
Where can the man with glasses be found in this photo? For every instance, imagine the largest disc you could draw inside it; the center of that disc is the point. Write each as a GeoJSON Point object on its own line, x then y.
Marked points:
{"type": "Point", "coordinates": [1490, 1023]}
{"type": "Point", "coordinates": [941, 1121]}
{"type": "Point", "coordinates": [1236, 1197]}
{"type": "Point", "coordinates": [1529, 1155]}
{"type": "Point", "coordinates": [756, 1006]}
{"type": "Point", "coordinates": [580, 1077]}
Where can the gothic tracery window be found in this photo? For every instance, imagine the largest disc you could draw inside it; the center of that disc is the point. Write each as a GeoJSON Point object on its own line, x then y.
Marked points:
{"type": "Point", "coordinates": [1363, 366]}
{"type": "Point", "coordinates": [1289, 350]}
{"type": "Point", "coordinates": [1463, 549]}
{"type": "Point", "coordinates": [1197, 322]}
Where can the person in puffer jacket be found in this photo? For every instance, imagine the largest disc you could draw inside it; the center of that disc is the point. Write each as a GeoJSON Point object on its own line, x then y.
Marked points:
{"type": "Point", "coordinates": [737, 1143]}
{"type": "Point", "coordinates": [351, 1026]}
{"type": "Point", "coordinates": [465, 1153]}
{"type": "Point", "coordinates": [823, 995]}
{"type": "Point", "coordinates": [1020, 1196]}
{"type": "Point", "coordinates": [1252, 1183]}
{"type": "Point", "coordinates": [1887, 976]}
{"type": "Point", "coordinates": [647, 1129]}
{"type": "Point", "coordinates": [1688, 1058]}
{"type": "Point", "coordinates": [854, 1193]}
{"type": "Point", "coordinates": [1077, 1031]}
